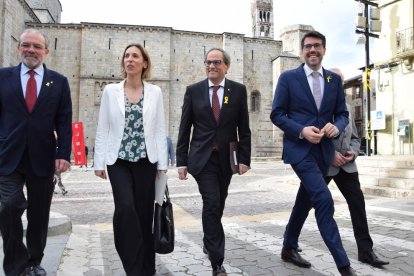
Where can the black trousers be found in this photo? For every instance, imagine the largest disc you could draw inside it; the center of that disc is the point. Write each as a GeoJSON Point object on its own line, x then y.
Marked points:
{"type": "Point", "coordinates": [17, 255]}
{"type": "Point", "coordinates": [133, 190]}
{"type": "Point", "coordinates": [350, 187]}
{"type": "Point", "coordinates": [213, 185]}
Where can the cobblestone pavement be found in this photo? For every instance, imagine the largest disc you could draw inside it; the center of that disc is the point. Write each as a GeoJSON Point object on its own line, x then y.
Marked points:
{"type": "Point", "coordinates": [257, 210]}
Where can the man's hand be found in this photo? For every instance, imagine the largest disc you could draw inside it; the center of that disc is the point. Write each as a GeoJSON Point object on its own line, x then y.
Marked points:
{"type": "Point", "coordinates": [243, 169]}
{"type": "Point", "coordinates": [330, 130]}
{"type": "Point", "coordinates": [341, 159]}
{"type": "Point", "coordinates": [312, 134]}
{"type": "Point", "coordinates": [182, 173]}
{"type": "Point", "coordinates": [61, 165]}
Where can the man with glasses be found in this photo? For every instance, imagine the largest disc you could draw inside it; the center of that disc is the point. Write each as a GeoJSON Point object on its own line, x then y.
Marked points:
{"type": "Point", "coordinates": [214, 114]}
{"type": "Point", "coordinates": [309, 106]}
{"type": "Point", "coordinates": [34, 103]}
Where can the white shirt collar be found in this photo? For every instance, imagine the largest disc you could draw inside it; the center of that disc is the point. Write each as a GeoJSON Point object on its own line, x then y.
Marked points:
{"type": "Point", "coordinates": [210, 84]}
{"type": "Point", "coordinates": [39, 70]}
{"type": "Point", "coordinates": [309, 71]}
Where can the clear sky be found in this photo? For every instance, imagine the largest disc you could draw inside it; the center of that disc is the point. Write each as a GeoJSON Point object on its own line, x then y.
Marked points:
{"type": "Point", "coordinates": [334, 18]}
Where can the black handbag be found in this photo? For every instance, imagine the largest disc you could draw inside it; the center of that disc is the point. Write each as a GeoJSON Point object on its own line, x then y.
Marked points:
{"type": "Point", "coordinates": [164, 226]}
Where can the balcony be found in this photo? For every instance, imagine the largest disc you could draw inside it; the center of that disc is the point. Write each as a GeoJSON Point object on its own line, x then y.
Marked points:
{"type": "Point", "coordinates": [405, 44]}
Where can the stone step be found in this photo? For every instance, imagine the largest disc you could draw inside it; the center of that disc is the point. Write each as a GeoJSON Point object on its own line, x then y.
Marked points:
{"type": "Point", "coordinates": [384, 172]}
{"type": "Point", "coordinates": [388, 192]}
{"type": "Point", "coordinates": [388, 162]}
{"type": "Point", "coordinates": [399, 183]}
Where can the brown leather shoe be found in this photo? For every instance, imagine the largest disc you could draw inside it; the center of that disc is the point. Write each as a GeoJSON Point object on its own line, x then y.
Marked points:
{"type": "Point", "coordinates": [291, 255]}
{"type": "Point", "coordinates": [347, 271]}
{"type": "Point", "coordinates": [369, 257]}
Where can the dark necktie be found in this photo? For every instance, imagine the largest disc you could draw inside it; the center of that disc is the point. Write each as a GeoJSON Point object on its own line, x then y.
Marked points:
{"type": "Point", "coordinates": [31, 91]}
{"type": "Point", "coordinates": [317, 92]}
{"type": "Point", "coordinates": [215, 104]}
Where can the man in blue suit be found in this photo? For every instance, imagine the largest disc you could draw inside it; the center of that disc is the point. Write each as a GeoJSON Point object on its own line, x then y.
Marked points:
{"type": "Point", "coordinates": [34, 102]}
{"type": "Point", "coordinates": [309, 106]}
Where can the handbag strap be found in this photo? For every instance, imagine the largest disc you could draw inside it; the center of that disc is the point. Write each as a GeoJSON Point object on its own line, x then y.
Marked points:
{"type": "Point", "coordinates": [167, 195]}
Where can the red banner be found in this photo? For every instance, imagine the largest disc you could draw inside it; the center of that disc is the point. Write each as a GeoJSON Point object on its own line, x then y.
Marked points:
{"type": "Point", "coordinates": [78, 143]}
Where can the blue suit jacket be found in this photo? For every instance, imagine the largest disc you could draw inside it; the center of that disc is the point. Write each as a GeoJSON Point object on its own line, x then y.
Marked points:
{"type": "Point", "coordinates": [20, 130]}
{"type": "Point", "coordinates": [294, 108]}
{"type": "Point", "coordinates": [198, 123]}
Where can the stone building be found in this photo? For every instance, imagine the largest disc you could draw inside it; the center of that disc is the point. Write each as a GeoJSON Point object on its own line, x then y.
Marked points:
{"type": "Point", "coordinates": [89, 54]}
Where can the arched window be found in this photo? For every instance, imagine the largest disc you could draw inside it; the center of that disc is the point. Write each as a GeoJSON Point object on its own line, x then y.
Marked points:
{"type": "Point", "coordinates": [255, 101]}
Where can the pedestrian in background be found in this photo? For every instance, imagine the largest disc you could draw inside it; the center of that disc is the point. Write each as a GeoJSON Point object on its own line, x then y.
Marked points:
{"type": "Point", "coordinates": [131, 144]}
{"type": "Point", "coordinates": [309, 106]}
{"type": "Point", "coordinates": [344, 172]}
{"type": "Point", "coordinates": [215, 113]}
{"type": "Point", "coordinates": [171, 154]}
{"type": "Point", "coordinates": [86, 157]}
{"type": "Point", "coordinates": [34, 102]}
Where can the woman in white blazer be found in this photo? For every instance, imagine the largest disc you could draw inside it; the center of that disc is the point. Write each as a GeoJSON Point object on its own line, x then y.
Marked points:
{"type": "Point", "coordinates": [131, 145]}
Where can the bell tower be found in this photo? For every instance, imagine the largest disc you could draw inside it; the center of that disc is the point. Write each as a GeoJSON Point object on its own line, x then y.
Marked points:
{"type": "Point", "coordinates": [262, 19]}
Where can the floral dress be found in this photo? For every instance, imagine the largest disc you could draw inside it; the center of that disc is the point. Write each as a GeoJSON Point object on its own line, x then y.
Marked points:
{"type": "Point", "coordinates": [133, 143]}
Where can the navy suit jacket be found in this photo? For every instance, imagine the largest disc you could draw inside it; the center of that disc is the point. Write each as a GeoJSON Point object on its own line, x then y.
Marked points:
{"type": "Point", "coordinates": [197, 115]}
{"type": "Point", "coordinates": [294, 108]}
{"type": "Point", "coordinates": [21, 130]}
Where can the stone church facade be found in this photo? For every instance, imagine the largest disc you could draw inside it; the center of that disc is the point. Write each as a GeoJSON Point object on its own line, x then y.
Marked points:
{"type": "Point", "coordinates": [89, 54]}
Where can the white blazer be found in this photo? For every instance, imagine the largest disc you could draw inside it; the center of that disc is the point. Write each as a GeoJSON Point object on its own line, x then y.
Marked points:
{"type": "Point", "coordinates": [111, 126]}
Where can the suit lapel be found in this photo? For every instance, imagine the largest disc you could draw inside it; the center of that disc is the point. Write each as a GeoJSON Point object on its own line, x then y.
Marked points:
{"type": "Point", "coordinates": [206, 99]}
{"type": "Point", "coordinates": [147, 99]}
{"type": "Point", "coordinates": [45, 87]}
{"type": "Point", "coordinates": [120, 97]}
{"type": "Point", "coordinates": [328, 82]}
{"type": "Point", "coordinates": [227, 97]}
{"type": "Point", "coordinates": [15, 83]}
{"type": "Point", "coordinates": [303, 80]}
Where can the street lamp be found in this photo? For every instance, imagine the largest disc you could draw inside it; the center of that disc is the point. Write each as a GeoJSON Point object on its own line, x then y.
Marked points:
{"type": "Point", "coordinates": [364, 27]}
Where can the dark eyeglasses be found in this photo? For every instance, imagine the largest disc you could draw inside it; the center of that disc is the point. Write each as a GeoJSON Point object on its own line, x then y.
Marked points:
{"type": "Point", "coordinates": [214, 62]}
{"type": "Point", "coordinates": [308, 47]}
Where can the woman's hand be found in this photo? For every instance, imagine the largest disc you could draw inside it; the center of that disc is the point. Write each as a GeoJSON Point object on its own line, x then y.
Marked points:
{"type": "Point", "coordinates": [101, 174]}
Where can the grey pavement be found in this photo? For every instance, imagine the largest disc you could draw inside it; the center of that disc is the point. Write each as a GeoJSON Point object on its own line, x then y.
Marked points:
{"type": "Point", "coordinates": [257, 209]}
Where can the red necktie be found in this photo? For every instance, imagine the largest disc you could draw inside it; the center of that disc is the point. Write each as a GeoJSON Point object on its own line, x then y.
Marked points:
{"type": "Point", "coordinates": [31, 91]}
{"type": "Point", "coordinates": [215, 103]}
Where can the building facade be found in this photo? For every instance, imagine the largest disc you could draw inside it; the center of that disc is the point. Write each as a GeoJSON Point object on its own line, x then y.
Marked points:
{"type": "Point", "coordinates": [89, 54]}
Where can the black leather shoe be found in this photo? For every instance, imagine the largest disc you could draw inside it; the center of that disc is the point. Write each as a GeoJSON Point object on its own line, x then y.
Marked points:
{"type": "Point", "coordinates": [37, 270]}
{"type": "Point", "coordinates": [291, 255]}
{"type": "Point", "coordinates": [25, 272]}
{"type": "Point", "coordinates": [369, 257]}
{"type": "Point", "coordinates": [347, 271]}
{"type": "Point", "coordinates": [219, 271]}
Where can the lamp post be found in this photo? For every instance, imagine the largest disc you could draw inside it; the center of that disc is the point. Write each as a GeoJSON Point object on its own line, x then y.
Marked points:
{"type": "Point", "coordinates": [363, 27]}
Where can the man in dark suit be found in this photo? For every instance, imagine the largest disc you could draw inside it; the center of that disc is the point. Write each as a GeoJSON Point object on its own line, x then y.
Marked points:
{"type": "Point", "coordinates": [309, 106]}
{"type": "Point", "coordinates": [215, 113]}
{"type": "Point", "coordinates": [34, 102]}
{"type": "Point", "coordinates": [344, 172]}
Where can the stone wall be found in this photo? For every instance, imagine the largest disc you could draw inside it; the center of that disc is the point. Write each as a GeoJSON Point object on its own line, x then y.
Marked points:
{"type": "Point", "coordinates": [90, 56]}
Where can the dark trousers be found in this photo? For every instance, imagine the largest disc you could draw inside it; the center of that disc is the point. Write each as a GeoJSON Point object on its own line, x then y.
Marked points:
{"type": "Point", "coordinates": [133, 190]}
{"type": "Point", "coordinates": [350, 187]}
{"type": "Point", "coordinates": [213, 185]}
{"type": "Point", "coordinates": [18, 256]}
{"type": "Point", "coordinates": [313, 192]}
